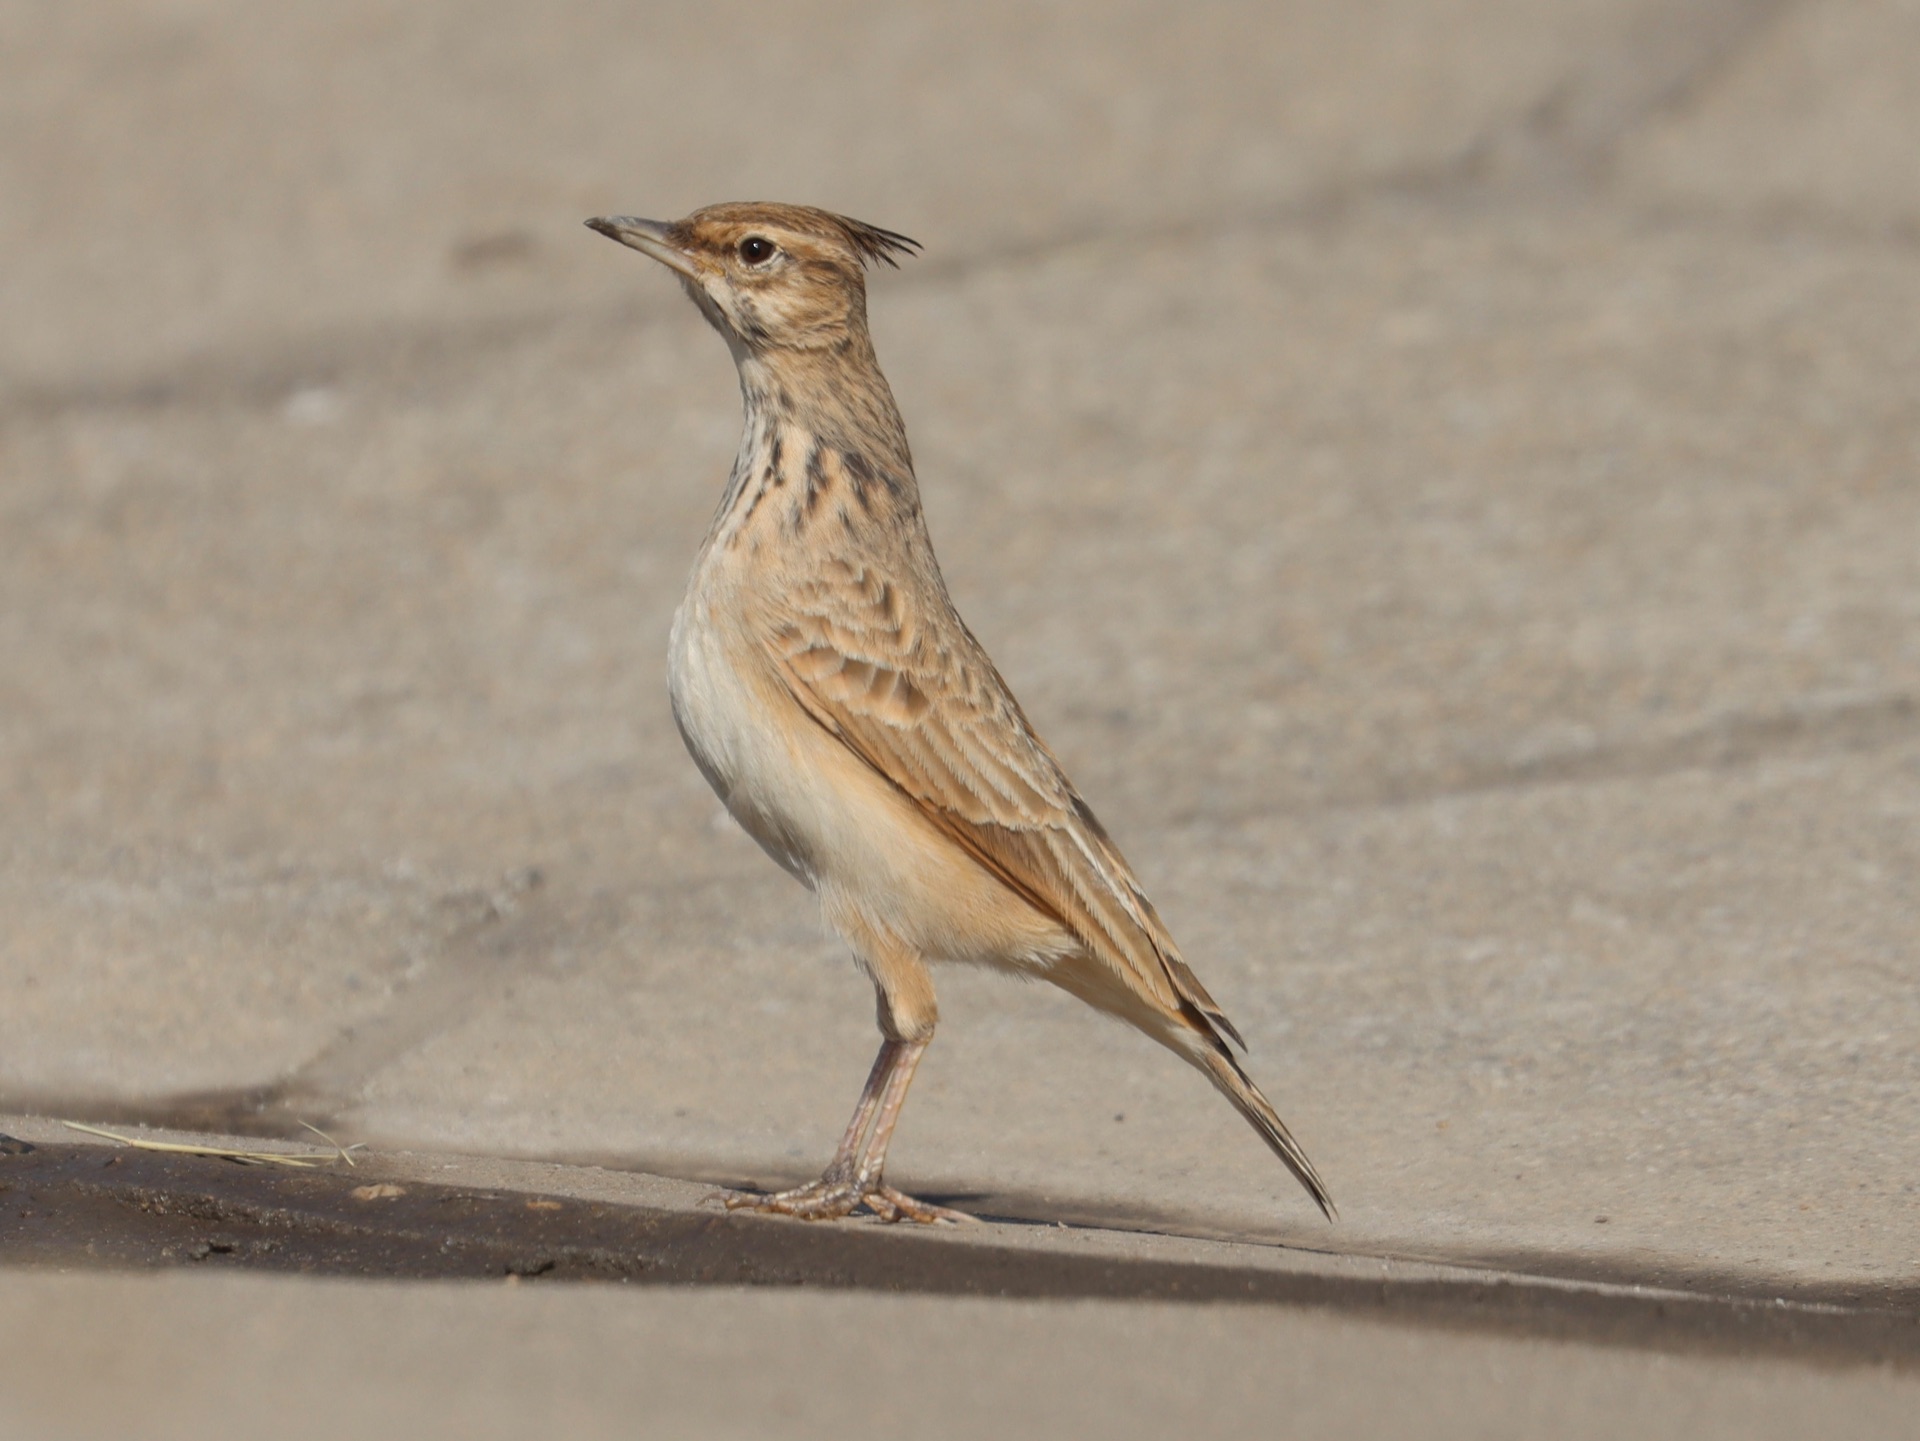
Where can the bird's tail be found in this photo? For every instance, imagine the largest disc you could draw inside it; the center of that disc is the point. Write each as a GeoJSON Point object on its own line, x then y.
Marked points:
{"type": "Point", "coordinates": [1233, 1083]}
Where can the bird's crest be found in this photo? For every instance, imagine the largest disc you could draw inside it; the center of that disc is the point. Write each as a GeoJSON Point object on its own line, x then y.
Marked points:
{"type": "Point", "coordinates": [873, 243]}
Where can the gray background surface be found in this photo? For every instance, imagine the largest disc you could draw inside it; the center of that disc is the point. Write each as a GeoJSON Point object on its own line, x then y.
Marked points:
{"type": "Point", "coordinates": [1445, 477]}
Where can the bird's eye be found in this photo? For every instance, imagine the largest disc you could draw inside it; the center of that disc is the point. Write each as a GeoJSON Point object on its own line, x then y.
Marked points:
{"type": "Point", "coordinates": [756, 250]}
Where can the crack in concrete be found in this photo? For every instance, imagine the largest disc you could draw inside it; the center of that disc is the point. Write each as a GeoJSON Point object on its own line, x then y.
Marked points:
{"type": "Point", "coordinates": [1575, 131]}
{"type": "Point", "coordinates": [1564, 141]}
{"type": "Point", "coordinates": [478, 955]}
{"type": "Point", "coordinates": [1813, 726]}
{"type": "Point", "coordinates": [1810, 727]}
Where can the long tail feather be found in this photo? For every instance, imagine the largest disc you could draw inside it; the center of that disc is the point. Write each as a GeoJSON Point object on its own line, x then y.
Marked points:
{"type": "Point", "coordinates": [1233, 1083]}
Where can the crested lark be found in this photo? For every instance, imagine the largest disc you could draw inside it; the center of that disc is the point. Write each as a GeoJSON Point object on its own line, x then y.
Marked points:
{"type": "Point", "coordinates": [848, 719]}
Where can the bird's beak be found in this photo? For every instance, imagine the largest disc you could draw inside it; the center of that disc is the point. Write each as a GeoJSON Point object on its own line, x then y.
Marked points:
{"type": "Point", "coordinates": [649, 237]}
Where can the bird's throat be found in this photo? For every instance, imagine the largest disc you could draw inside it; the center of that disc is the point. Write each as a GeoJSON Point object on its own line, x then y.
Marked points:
{"type": "Point", "coordinates": [822, 443]}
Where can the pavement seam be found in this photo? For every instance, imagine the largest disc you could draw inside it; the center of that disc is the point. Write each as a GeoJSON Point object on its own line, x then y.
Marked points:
{"type": "Point", "coordinates": [265, 377]}
{"type": "Point", "coordinates": [1563, 140]}
{"type": "Point", "coordinates": [1576, 130]}
{"type": "Point", "coordinates": [1810, 726]}
{"type": "Point", "coordinates": [397, 1216]}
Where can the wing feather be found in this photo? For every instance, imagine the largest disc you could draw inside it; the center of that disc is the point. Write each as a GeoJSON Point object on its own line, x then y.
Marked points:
{"type": "Point", "coordinates": [970, 760]}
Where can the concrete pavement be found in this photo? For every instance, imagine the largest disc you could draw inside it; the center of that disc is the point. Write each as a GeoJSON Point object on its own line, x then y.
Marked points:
{"type": "Point", "coordinates": [188, 1355]}
{"type": "Point", "coordinates": [151, 1325]}
{"type": "Point", "coordinates": [1444, 479]}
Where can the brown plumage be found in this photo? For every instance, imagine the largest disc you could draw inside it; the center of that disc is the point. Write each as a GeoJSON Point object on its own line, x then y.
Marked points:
{"type": "Point", "coordinates": [851, 723]}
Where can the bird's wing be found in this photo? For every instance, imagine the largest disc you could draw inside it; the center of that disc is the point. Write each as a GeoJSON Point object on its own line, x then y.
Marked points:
{"type": "Point", "coordinates": [924, 706]}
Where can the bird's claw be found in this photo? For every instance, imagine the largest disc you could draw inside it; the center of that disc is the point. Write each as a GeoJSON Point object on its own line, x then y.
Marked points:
{"type": "Point", "coordinates": [829, 1200]}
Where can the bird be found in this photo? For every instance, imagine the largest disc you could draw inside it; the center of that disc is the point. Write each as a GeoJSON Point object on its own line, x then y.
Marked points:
{"type": "Point", "coordinates": [852, 725]}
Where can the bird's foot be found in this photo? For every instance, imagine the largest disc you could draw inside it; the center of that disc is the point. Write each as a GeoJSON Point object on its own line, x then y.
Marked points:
{"type": "Point", "coordinates": [891, 1205]}
{"type": "Point", "coordinates": [830, 1198]}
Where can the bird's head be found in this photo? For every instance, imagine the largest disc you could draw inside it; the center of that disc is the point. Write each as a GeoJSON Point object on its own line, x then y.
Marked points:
{"type": "Point", "coordinates": [769, 277]}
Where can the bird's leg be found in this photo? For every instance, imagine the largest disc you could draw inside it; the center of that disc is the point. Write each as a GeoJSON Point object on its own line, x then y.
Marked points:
{"type": "Point", "coordinates": [834, 1193]}
{"type": "Point", "coordinates": [853, 1177]}
{"type": "Point", "coordinates": [883, 1200]}
{"type": "Point", "coordinates": [846, 1158]}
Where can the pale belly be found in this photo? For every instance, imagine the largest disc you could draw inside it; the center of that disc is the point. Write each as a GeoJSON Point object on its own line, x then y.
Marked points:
{"type": "Point", "coordinates": [833, 823]}
{"type": "Point", "coordinates": [739, 742]}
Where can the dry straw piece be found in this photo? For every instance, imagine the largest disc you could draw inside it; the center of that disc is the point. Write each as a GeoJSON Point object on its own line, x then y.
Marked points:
{"type": "Point", "coordinates": [245, 1158]}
